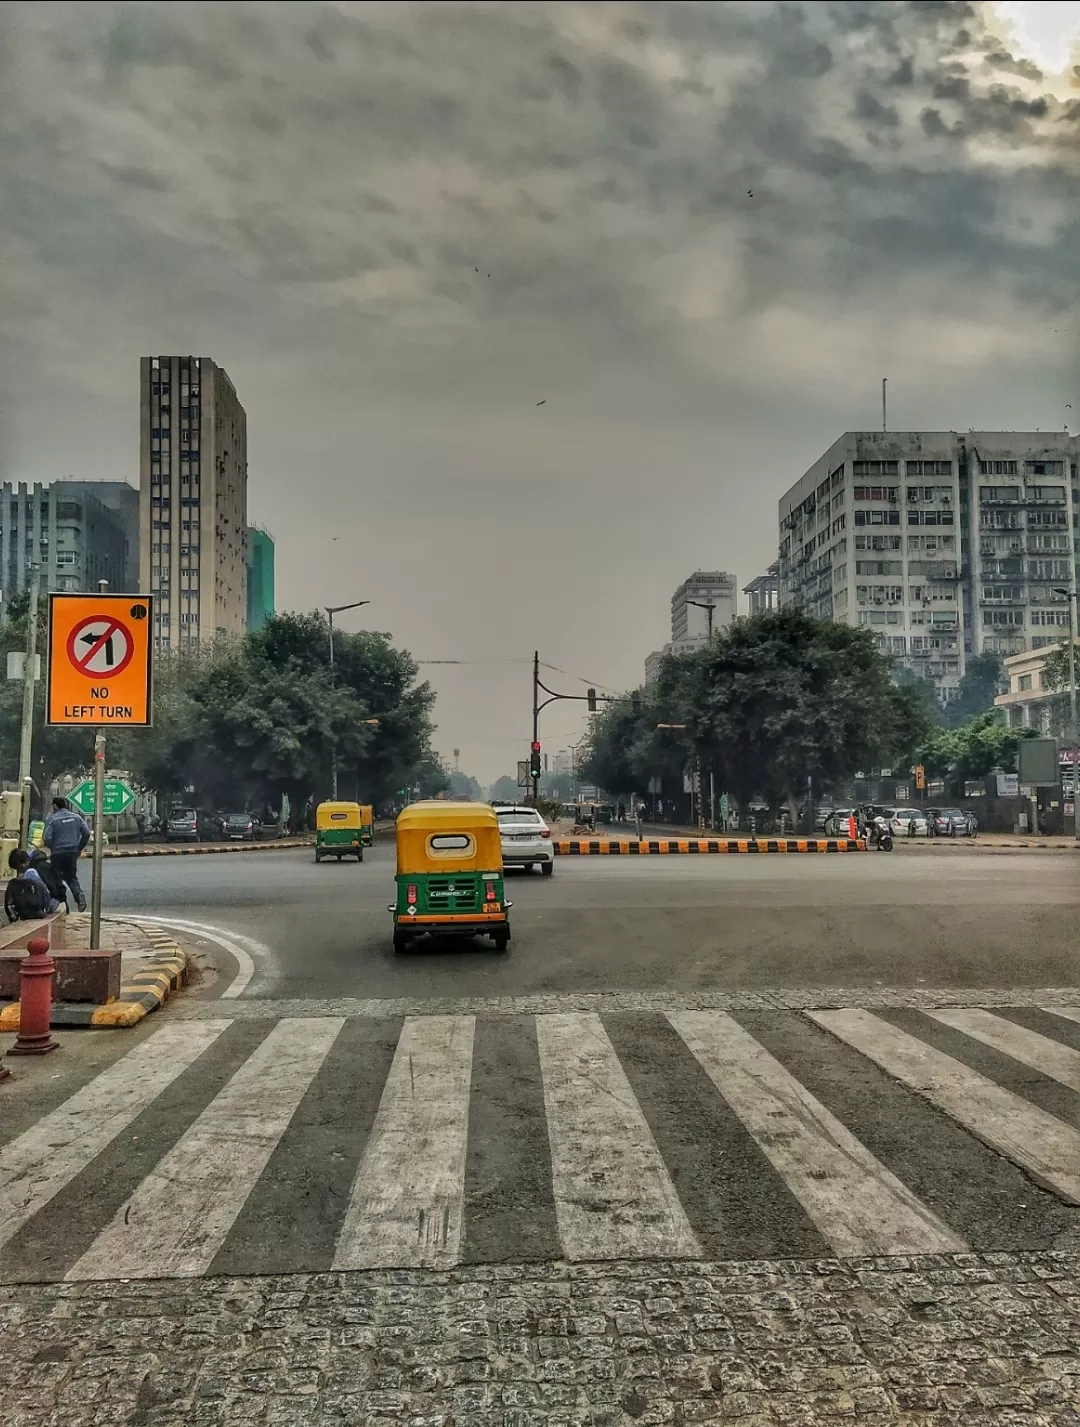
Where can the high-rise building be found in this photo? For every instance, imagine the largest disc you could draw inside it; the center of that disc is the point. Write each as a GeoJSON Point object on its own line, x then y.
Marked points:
{"type": "Point", "coordinates": [705, 602]}
{"type": "Point", "coordinates": [260, 576]}
{"type": "Point", "coordinates": [76, 539]}
{"type": "Point", "coordinates": [193, 507]}
{"type": "Point", "coordinates": [763, 592]}
{"type": "Point", "coordinates": [123, 501]}
{"type": "Point", "coordinates": [945, 544]}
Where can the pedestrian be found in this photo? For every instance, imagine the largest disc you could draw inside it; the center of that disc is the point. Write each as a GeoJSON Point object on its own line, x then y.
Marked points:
{"type": "Point", "coordinates": [140, 825]}
{"type": "Point", "coordinates": [621, 812]}
{"type": "Point", "coordinates": [39, 861]}
{"type": "Point", "coordinates": [971, 823]}
{"type": "Point", "coordinates": [639, 820]}
{"type": "Point", "coordinates": [931, 823]}
{"type": "Point", "coordinates": [26, 897]}
{"type": "Point", "coordinates": [66, 834]}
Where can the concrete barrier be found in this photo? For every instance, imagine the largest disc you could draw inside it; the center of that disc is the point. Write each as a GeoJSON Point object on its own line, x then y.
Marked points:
{"type": "Point", "coordinates": [676, 846]}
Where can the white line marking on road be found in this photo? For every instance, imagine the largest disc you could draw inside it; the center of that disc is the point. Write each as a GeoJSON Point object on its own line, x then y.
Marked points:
{"type": "Point", "coordinates": [229, 941]}
{"type": "Point", "coordinates": [177, 1219]}
{"type": "Point", "coordinates": [38, 1164]}
{"type": "Point", "coordinates": [613, 1196]}
{"type": "Point", "coordinates": [408, 1198]}
{"type": "Point", "coordinates": [1040, 1143]}
{"type": "Point", "coordinates": [1070, 1013]}
{"type": "Point", "coordinates": [1049, 1057]}
{"type": "Point", "coordinates": [857, 1205]}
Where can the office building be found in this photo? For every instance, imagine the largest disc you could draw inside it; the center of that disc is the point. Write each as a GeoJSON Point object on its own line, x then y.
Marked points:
{"type": "Point", "coordinates": [193, 506]}
{"type": "Point", "coordinates": [944, 544]}
{"type": "Point", "coordinates": [260, 577]}
{"type": "Point", "coordinates": [123, 501]}
{"type": "Point", "coordinates": [763, 592]}
{"type": "Point", "coordinates": [76, 539]}
{"type": "Point", "coordinates": [705, 602]}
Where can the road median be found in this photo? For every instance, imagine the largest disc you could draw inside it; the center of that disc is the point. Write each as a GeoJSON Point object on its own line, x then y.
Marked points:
{"type": "Point", "coordinates": [149, 976]}
{"type": "Point", "coordinates": [691, 846]}
{"type": "Point", "coordinates": [203, 848]}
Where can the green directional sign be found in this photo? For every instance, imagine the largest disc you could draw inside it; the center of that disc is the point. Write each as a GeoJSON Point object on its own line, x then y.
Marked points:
{"type": "Point", "coordinates": [117, 798]}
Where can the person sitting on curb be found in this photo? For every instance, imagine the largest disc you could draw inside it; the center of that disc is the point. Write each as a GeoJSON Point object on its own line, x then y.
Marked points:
{"type": "Point", "coordinates": [26, 898]}
{"type": "Point", "coordinates": [39, 861]}
{"type": "Point", "coordinates": [66, 834]}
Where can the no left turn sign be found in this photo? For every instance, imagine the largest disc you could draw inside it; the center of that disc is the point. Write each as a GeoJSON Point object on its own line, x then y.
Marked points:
{"type": "Point", "coordinates": [101, 646]}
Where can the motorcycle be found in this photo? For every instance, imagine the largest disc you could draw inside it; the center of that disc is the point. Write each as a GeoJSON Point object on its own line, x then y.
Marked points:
{"type": "Point", "coordinates": [881, 838]}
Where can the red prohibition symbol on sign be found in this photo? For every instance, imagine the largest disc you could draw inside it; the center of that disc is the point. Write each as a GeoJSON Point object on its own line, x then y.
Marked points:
{"type": "Point", "coordinates": [100, 647]}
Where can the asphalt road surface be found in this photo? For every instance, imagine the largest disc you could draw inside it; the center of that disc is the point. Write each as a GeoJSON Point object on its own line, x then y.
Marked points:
{"type": "Point", "coordinates": [672, 924]}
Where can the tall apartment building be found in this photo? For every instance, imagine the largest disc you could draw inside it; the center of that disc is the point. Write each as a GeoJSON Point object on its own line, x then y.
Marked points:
{"type": "Point", "coordinates": [63, 527]}
{"type": "Point", "coordinates": [123, 501]}
{"type": "Point", "coordinates": [193, 507]}
{"type": "Point", "coordinates": [945, 544]}
{"type": "Point", "coordinates": [706, 600]}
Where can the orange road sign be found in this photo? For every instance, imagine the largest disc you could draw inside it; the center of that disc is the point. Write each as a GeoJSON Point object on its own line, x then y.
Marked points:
{"type": "Point", "coordinates": [99, 666]}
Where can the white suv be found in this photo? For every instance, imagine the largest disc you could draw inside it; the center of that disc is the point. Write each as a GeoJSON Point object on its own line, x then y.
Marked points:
{"type": "Point", "coordinates": [526, 839]}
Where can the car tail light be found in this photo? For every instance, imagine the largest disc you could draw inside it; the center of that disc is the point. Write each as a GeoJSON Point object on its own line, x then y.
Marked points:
{"type": "Point", "coordinates": [489, 892]}
{"type": "Point", "coordinates": [410, 894]}
{"type": "Point", "coordinates": [545, 832]}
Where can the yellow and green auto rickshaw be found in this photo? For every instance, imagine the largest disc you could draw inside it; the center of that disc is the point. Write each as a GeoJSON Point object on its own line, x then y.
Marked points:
{"type": "Point", "coordinates": [449, 874]}
{"type": "Point", "coordinates": [338, 831]}
{"type": "Point", "coordinates": [367, 824]}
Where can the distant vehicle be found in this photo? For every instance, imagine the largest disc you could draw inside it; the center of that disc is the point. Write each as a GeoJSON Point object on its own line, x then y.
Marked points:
{"type": "Point", "coordinates": [841, 816]}
{"type": "Point", "coordinates": [186, 825]}
{"type": "Point", "coordinates": [526, 839]}
{"type": "Point", "coordinates": [948, 822]}
{"type": "Point", "coordinates": [240, 827]}
{"type": "Point", "coordinates": [900, 822]}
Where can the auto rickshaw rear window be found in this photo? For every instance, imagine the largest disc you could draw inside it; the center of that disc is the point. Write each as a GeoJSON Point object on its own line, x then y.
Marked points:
{"type": "Point", "coordinates": [450, 842]}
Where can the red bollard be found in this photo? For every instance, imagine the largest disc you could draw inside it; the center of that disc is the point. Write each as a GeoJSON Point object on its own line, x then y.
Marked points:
{"type": "Point", "coordinates": [35, 1000]}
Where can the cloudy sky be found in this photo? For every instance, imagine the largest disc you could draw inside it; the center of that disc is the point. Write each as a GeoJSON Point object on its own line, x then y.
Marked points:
{"type": "Point", "coordinates": [700, 234]}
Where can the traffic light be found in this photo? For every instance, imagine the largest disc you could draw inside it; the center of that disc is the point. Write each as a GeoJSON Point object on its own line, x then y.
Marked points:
{"type": "Point", "coordinates": [534, 760]}
{"type": "Point", "coordinates": [591, 696]}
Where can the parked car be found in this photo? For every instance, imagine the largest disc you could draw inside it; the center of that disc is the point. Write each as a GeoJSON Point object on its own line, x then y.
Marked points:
{"type": "Point", "coordinates": [240, 827]}
{"type": "Point", "coordinates": [526, 839]}
{"type": "Point", "coordinates": [185, 825]}
{"type": "Point", "coordinates": [907, 822]}
{"type": "Point", "coordinates": [948, 822]}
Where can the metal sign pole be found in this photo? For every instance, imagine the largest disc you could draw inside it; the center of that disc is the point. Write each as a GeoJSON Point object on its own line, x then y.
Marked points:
{"type": "Point", "coordinates": [99, 841]}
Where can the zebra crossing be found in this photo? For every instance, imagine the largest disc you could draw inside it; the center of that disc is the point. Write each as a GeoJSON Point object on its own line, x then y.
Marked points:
{"type": "Point", "coordinates": [219, 1146]}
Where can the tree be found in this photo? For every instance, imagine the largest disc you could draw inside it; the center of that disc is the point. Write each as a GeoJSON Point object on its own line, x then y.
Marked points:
{"type": "Point", "coordinates": [505, 790]}
{"type": "Point", "coordinates": [984, 678]}
{"type": "Point", "coordinates": [465, 788]}
{"type": "Point", "coordinates": [974, 749]}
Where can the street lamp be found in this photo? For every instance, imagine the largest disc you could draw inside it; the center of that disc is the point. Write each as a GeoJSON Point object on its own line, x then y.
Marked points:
{"type": "Point", "coordinates": [1070, 595]}
{"type": "Point", "coordinates": [331, 610]}
{"type": "Point", "coordinates": [708, 608]}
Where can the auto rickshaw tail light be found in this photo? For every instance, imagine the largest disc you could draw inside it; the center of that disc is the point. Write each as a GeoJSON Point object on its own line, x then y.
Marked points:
{"type": "Point", "coordinates": [489, 892]}
{"type": "Point", "coordinates": [410, 894]}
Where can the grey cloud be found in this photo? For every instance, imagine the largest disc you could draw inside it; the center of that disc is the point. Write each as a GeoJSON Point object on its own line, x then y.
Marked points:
{"type": "Point", "coordinates": [1025, 68]}
{"type": "Point", "coordinates": [871, 110]}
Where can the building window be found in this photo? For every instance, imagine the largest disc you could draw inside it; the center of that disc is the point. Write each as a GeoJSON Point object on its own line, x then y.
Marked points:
{"type": "Point", "coordinates": [928, 468]}
{"type": "Point", "coordinates": [1045, 468]}
{"type": "Point", "coordinates": [875, 493]}
{"type": "Point", "coordinates": [1025, 683]}
{"type": "Point", "coordinates": [875, 468]}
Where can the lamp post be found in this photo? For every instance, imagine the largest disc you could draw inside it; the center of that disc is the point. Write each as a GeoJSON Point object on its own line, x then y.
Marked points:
{"type": "Point", "coordinates": [1070, 595]}
{"type": "Point", "coordinates": [697, 768]}
{"type": "Point", "coordinates": [708, 608]}
{"type": "Point", "coordinates": [331, 610]}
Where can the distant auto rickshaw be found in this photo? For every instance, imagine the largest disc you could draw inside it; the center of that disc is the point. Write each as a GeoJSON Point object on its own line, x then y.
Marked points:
{"type": "Point", "coordinates": [338, 831]}
{"type": "Point", "coordinates": [449, 874]}
{"type": "Point", "coordinates": [367, 824]}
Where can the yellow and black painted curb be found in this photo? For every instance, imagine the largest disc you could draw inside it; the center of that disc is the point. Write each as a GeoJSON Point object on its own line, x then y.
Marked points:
{"type": "Point", "coordinates": [198, 849]}
{"type": "Point", "coordinates": [164, 970]}
{"type": "Point", "coordinates": [674, 846]}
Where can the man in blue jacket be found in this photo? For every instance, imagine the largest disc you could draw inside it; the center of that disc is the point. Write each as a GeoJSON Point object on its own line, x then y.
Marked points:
{"type": "Point", "coordinates": [66, 834]}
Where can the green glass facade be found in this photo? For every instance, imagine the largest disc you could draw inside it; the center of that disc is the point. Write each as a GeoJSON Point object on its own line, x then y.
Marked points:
{"type": "Point", "coordinates": [260, 577]}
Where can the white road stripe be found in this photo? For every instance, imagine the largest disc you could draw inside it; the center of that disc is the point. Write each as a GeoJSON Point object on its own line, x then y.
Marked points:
{"type": "Point", "coordinates": [613, 1196]}
{"type": "Point", "coordinates": [1070, 1013]}
{"type": "Point", "coordinates": [230, 942]}
{"type": "Point", "coordinates": [1049, 1057]}
{"type": "Point", "coordinates": [178, 1218]}
{"type": "Point", "coordinates": [858, 1206]}
{"type": "Point", "coordinates": [408, 1197]}
{"type": "Point", "coordinates": [1040, 1143]}
{"type": "Point", "coordinates": [38, 1164]}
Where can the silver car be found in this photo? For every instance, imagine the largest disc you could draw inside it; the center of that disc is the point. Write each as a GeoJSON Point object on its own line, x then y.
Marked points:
{"type": "Point", "coordinates": [526, 839]}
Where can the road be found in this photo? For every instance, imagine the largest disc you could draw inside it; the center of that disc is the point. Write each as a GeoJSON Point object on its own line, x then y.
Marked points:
{"type": "Point", "coordinates": [776, 1139]}
{"type": "Point", "coordinates": [672, 924]}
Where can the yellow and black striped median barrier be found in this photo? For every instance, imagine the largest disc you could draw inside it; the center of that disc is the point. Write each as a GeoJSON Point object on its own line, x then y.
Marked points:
{"type": "Point", "coordinates": [681, 846]}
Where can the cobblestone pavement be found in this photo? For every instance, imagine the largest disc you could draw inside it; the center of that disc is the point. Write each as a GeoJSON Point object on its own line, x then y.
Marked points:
{"type": "Point", "coordinates": [117, 933]}
{"type": "Point", "coordinates": [928, 1342]}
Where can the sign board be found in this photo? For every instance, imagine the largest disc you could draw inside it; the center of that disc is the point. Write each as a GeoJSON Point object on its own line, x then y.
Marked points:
{"type": "Point", "coordinates": [654, 786]}
{"type": "Point", "coordinates": [886, 772]}
{"type": "Point", "coordinates": [16, 665]}
{"type": "Point", "coordinates": [1008, 785]}
{"type": "Point", "coordinates": [920, 776]}
{"type": "Point", "coordinates": [99, 660]}
{"type": "Point", "coordinates": [903, 793]}
{"type": "Point", "coordinates": [1037, 761]}
{"type": "Point", "coordinates": [116, 798]}
{"type": "Point", "coordinates": [523, 773]}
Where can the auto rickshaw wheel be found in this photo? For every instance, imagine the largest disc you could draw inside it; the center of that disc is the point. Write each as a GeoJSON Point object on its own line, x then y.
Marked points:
{"type": "Point", "coordinates": [318, 855]}
{"type": "Point", "coordinates": [501, 940]}
{"type": "Point", "coordinates": [401, 942]}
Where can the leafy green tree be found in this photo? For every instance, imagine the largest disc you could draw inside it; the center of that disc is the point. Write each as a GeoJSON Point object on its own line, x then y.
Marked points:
{"type": "Point", "coordinates": [465, 788]}
{"type": "Point", "coordinates": [974, 749]}
{"type": "Point", "coordinates": [505, 790]}
{"type": "Point", "coordinates": [984, 678]}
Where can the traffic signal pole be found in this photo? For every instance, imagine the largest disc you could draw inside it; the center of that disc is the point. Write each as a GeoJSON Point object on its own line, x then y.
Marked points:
{"type": "Point", "coordinates": [590, 697]}
{"type": "Point", "coordinates": [99, 826]}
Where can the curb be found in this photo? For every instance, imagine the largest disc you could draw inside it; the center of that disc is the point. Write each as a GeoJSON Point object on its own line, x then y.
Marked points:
{"type": "Point", "coordinates": [198, 851]}
{"type": "Point", "coordinates": [163, 971]}
{"type": "Point", "coordinates": [651, 847]}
